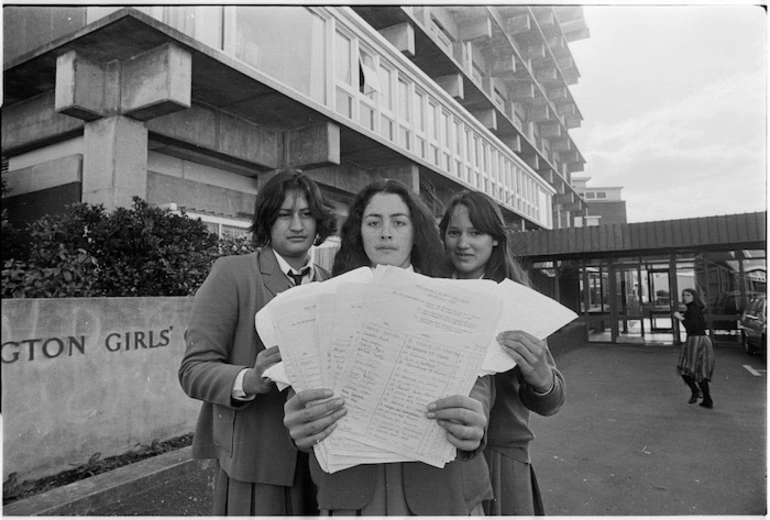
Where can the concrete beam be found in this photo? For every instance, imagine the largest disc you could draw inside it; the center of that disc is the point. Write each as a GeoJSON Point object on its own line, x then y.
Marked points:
{"type": "Point", "coordinates": [115, 161]}
{"type": "Point", "coordinates": [579, 34]}
{"type": "Point", "coordinates": [80, 87]}
{"type": "Point", "coordinates": [534, 52]}
{"type": "Point", "coordinates": [452, 84]}
{"type": "Point", "coordinates": [522, 91]}
{"type": "Point", "coordinates": [547, 174]}
{"type": "Point", "coordinates": [569, 156]}
{"type": "Point", "coordinates": [156, 83]}
{"type": "Point", "coordinates": [504, 68]}
{"type": "Point", "coordinates": [538, 113]}
{"type": "Point", "coordinates": [487, 117]}
{"type": "Point", "coordinates": [575, 166]}
{"type": "Point", "coordinates": [563, 145]}
{"type": "Point", "coordinates": [532, 160]}
{"type": "Point", "coordinates": [518, 24]}
{"type": "Point", "coordinates": [556, 44]}
{"type": "Point", "coordinates": [34, 121]}
{"type": "Point", "coordinates": [572, 122]}
{"type": "Point", "coordinates": [546, 74]}
{"type": "Point", "coordinates": [401, 36]}
{"type": "Point", "coordinates": [43, 176]}
{"type": "Point", "coordinates": [479, 29]}
{"type": "Point", "coordinates": [351, 179]}
{"type": "Point", "coordinates": [556, 94]}
{"type": "Point", "coordinates": [204, 127]}
{"type": "Point", "coordinates": [565, 62]}
{"type": "Point", "coordinates": [312, 146]}
{"type": "Point", "coordinates": [512, 141]}
{"type": "Point", "coordinates": [549, 130]}
{"type": "Point", "coordinates": [545, 17]}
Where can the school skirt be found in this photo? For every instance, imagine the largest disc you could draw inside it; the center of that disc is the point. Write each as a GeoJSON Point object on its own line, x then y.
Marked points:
{"type": "Point", "coordinates": [514, 485]}
{"type": "Point", "coordinates": [389, 498]}
{"type": "Point", "coordinates": [697, 358]}
{"type": "Point", "coordinates": [237, 498]}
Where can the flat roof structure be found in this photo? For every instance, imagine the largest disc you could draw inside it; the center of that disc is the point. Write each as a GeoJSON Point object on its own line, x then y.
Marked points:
{"type": "Point", "coordinates": [739, 231]}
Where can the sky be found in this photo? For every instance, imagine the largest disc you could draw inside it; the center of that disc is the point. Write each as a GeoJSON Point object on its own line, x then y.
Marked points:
{"type": "Point", "coordinates": [674, 102]}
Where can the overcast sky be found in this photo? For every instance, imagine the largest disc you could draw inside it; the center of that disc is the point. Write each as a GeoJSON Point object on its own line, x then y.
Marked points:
{"type": "Point", "coordinates": [674, 106]}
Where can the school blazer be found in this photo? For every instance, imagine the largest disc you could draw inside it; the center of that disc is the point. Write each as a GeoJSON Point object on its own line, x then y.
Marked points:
{"type": "Point", "coordinates": [454, 489]}
{"type": "Point", "coordinates": [248, 438]}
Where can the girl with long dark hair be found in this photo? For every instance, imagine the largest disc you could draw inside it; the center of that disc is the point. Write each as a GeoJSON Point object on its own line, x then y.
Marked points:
{"type": "Point", "coordinates": [476, 243]}
{"type": "Point", "coordinates": [389, 225]}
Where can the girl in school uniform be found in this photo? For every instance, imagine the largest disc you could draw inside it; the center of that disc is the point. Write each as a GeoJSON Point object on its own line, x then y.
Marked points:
{"type": "Point", "coordinates": [476, 244]}
{"type": "Point", "coordinates": [260, 471]}
{"type": "Point", "coordinates": [389, 225]}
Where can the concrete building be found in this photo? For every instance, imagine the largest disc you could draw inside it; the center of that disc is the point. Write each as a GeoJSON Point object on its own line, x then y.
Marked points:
{"type": "Point", "coordinates": [604, 204]}
{"type": "Point", "coordinates": [192, 106]}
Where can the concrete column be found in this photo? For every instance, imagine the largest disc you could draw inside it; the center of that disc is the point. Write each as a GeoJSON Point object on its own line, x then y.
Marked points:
{"type": "Point", "coordinates": [115, 161]}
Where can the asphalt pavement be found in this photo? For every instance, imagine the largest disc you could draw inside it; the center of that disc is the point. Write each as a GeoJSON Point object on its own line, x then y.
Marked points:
{"type": "Point", "coordinates": [625, 443]}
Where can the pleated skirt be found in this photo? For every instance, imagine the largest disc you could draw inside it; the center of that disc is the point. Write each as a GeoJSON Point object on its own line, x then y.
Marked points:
{"type": "Point", "coordinates": [514, 485]}
{"type": "Point", "coordinates": [237, 498]}
{"type": "Point", "coordinates": [697, 358]}
{"type": "Point", "coordinates": [389, 498]}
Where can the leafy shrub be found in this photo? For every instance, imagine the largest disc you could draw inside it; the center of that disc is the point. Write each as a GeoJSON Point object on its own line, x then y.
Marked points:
{"type": "Point", "coordinates": [136, 251]}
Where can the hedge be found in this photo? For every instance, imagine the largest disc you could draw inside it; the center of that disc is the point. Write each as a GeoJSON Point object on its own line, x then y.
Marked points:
{"type": "Point", "coordinates": [88, 252]}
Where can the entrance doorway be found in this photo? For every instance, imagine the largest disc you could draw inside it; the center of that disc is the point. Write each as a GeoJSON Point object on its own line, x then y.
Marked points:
{"type": "Point", "coordinates": [632, 300]}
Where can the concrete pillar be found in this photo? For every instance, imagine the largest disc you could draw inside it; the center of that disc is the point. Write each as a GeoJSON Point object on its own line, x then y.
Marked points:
{"type": "Point", "coordinates": [115, 161]}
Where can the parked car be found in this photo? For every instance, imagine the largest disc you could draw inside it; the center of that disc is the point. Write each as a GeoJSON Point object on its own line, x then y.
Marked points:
{"type": "Point", "coordinates": [753, 325]}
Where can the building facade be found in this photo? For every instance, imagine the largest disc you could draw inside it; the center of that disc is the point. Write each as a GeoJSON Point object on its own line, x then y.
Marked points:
{"type": "Point", "coordinates": [192, 107]}
{"type": "Point", "coordinates": [604, 205]}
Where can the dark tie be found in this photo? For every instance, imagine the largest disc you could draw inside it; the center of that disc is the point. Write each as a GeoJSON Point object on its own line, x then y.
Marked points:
{"type": "Point", "coordinates": [298, 277]}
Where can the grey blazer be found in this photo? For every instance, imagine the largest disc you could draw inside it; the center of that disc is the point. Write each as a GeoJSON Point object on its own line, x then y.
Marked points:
{"type": "Point", "coordinates": [247, 438]}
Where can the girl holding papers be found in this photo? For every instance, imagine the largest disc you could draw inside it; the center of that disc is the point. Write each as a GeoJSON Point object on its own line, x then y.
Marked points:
{"type": "Point", "coordinates": [389, 225]}
{"type": "Point", "coordinates": [476, 244]}
{"type": "Point", "coordinates": [240, 422]}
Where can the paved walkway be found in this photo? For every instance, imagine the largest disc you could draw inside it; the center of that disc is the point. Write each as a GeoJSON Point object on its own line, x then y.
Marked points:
{"type": "Point", "coordinates": [625, 443]}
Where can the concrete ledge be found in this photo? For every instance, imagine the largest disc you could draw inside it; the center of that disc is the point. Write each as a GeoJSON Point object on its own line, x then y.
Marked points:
{"type": "Point", "coordinates": [84, 496]}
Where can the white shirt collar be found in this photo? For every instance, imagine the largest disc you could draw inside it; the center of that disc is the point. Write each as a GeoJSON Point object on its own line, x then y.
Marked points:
{"type": "Point", "coordinates": [285, 268]}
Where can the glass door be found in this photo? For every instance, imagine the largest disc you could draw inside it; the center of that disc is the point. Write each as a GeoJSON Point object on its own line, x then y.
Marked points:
{"type": "Point", "coordinates": [629, 326]}
{"type": "Point", "coordinates": [661, 299]}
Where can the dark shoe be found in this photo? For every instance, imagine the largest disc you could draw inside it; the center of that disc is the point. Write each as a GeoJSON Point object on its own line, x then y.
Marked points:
{"type": "Point", "coordinates": [707, 404]}
{"type": "Point", "coordinates": [693, 399]}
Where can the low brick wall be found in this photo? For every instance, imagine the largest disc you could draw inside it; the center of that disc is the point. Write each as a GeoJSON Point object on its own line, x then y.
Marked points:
{"type": "Point", "coordinates": [87, 375]}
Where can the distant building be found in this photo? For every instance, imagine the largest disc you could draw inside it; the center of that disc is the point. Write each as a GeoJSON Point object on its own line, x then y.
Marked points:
{"type": "Point", "coordinates": [192, 107]}
{"type": "Point", "coordinates": [604, 205]}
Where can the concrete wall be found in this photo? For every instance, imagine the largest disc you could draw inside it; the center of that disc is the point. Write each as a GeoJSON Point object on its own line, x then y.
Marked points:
{"type": "Point", "coordinates": [87, 375]}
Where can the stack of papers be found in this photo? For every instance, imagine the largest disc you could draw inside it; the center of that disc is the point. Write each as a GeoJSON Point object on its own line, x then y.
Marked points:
{"type": "Point", "coordinates": [389, 341]}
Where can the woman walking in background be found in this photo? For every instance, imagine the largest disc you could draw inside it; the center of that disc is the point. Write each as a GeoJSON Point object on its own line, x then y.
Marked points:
{"type": "Point", "coordinates": [696, 362]}
{"type": "Point", "coordinates": [476, 243]}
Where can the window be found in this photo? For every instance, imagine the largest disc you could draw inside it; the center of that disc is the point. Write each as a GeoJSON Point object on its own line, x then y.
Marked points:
{"type": "Point", "coordinates": [387, 97]}
{"type": "Point", "coordinates": [418, 111]}
{"type": "Point", "coordinates": [342, 55]}
{"type": "Point", "coordinates": [285, 42]}
{"type": "Point", "coordinates": [404, 113]}
{"type": "Point", "coordinates": [221, 226]}
{"type": "Point", "coordinates": [368, 80]}
{"type": "Point", "coordinates": [601, 194]}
